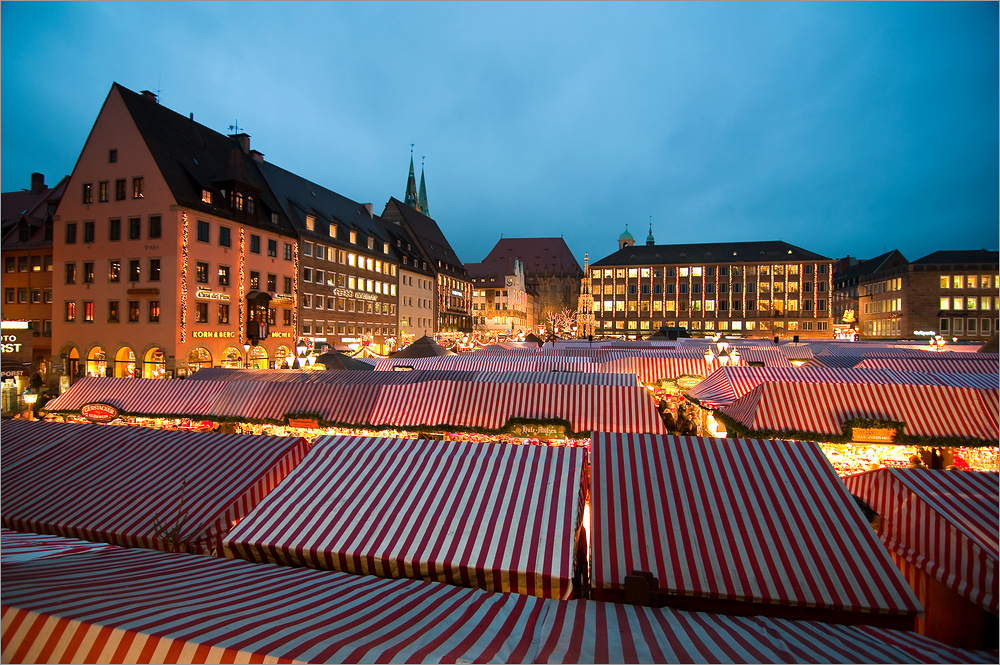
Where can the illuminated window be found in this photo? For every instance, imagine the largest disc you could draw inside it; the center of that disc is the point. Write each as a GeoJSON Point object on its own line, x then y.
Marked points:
{"type": "Point", "coordinates": [136, 188]}
{"type": "Point", "coordinates": [206, 196]}
{"type": "Point", "coordinates": [696, 271]}
{"type": "Point", "coordinates": [71, 311]}
{"type": "Point", "coordinates": [310, 222]}
{"type": "Point", "coordinates": [633, 272]}
{"type": "Point", "coordinates": [682, 272]}
{"type": "Point", "coordinates": [970, 302]}
{"type": "Point", "coordinates": [970, 282]}
{"type": "Point", "coordinates": [957, 281]}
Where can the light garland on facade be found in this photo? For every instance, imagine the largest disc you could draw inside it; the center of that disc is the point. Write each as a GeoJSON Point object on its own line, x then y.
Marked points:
{"type": "Point", "coordinates": [184, 271]}
{"type": "Point", "coordinates": [243, 288]}
{"type": "Point", "coordinates": [295, 289]}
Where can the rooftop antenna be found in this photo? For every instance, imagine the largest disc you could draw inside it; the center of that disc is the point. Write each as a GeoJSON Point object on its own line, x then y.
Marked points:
{"type": "Point", "coordinates": [158, 89]}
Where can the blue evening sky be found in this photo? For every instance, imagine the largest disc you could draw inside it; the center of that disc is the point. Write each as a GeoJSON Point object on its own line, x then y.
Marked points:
{"type": "Point", "coordinates": [844, 128]}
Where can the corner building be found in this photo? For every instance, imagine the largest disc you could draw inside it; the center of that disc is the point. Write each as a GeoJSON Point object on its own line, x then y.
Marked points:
{"type": "Point", "coordinates": [754, 289]}
{"type": "Point", "coordinates": [170, 251]}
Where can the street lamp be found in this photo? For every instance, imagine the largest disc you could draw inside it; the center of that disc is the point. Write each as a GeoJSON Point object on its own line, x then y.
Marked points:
{"type": "Point", "coordinates": [300, 352]}
{"type": "Point", "coordinates": [727, 355]}
{"type": "Point", "coordinates": [246, 355]}
{"type": "Point", "coordinates": [30, 396]}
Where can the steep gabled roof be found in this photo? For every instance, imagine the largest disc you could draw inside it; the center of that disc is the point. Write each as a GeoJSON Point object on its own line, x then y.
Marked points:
{"type": "Point", "coordinates": [540, 256]}
{"type": "Point", "coordinates": [191, 158]}
{"type": "Point", "coordinates": [862, 269]}
{"type": "Point", "coordinates": [427, 233]}
{"type": "Point", "coordinates": [712, 252]}
{"type": "Point", "coordinates": [31, 205]}
{"type": "Point", "coordinates": [300, 197]}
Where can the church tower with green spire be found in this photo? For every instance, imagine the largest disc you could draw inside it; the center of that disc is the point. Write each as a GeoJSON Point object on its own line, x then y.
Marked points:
{"type": "Point", "coordinates": [411, 186]}
{"type": "Point", "coordinates": [422, 200]}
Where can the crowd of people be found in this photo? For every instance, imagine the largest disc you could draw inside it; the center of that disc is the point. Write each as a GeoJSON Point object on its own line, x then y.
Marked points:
{"type": "Point", "coordinates": [682, 423]}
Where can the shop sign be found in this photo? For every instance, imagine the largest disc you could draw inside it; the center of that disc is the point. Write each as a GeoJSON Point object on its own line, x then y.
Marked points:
{"type": "Point", "coordinates": [213, 333]}
{"type": "Point", "coordinates": [280, 299]}
{"type": "Point", "coordinates": [143, 292]}
{"type": "Point", "coordinates": [206, 294]}
{"type": "Point", "coordinates": [278, 333]}
{"type": "Point", "coordinates": [306, 423]}
{"type": "Point", "coordinates": [456, 293]}
{"type": "Point", "coordinates": [96, 412]}
{"type": "Point", "coordinates": [537, 431]}
{"type": "Point", "coordinates": [872, 435]}
{"type": "Point", "coordinates": [17, 345]}
{"type": "Point", "coordinates": [688, 382]}
{"type": "Point", "coordinates": [347, 293]}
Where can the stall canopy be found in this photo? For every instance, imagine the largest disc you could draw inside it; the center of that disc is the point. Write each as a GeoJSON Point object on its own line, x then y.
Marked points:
{"type": "Point", "coordinates": [143, 606]}
{"type": "Point", "coordinates": [958, 363]}
{"type": "Point", "coordinates": [943, 522]}
{"type": "Point", "coordinates": [584, 406]}
{"type": "Point", "coordinates": [16, 546]}
{"type": "Point", "coordinates": [494, 517]}
{"type": "Point", "coordinates": [738, 525]}
{"type": "Point", "coordinates": [727, 384]}
{"type": "Point", "coordinates": [134, 486]}
{"type": "Point", "coordinates": [942, 415]}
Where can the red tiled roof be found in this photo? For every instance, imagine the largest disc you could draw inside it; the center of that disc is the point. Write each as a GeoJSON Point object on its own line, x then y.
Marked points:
{"type": "Point", "coordinates": [540, 256]}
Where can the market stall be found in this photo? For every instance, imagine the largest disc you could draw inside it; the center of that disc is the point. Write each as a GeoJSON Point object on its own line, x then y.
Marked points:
{"type": "Point", "coordinates": [499, 518]}
{"type": "Point", "coordinates": [137, 487]}
{"type": "Point", "coordinates": [957, 363]}
{"type": "Point", "coordinates": [737, 526]}
{"type": "Point", "coordinates": [941, 525]}
{"type": "Point", "coordinates": [17, 546]}
{"type": "Point", "coordinates": [960, 422]}
{"type": "Point", "coordinates": [177, 608]}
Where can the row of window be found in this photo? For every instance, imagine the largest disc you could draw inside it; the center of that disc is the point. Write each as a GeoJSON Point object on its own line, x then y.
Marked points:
{"type": "Point", "coordinates": [348, 305]}
{"type": "Point", "coordinates": [710, 271]}
{"type": "Point", "coordinates": [104, 189]}
{"type": "Point", "coordinates": [736, 326]}
{"type": "Point", "coordinates": [332, 328]}
{"type": "Point", "coordinates": [970, 281]}
{"type": "Point", "coordinates": [723, 287]}
{"type": "Point", "coordinates": [967, 326]}
{"type": "Point", "coordinates": [203, 233]}
{"type": "Point", "coordinates": [333, 279]}
{"type": "Point", "coordinates": [133, 273]}
{"type": "Point", "coordinates": [423, 303]}
{"type": "Point", "coordinates": [134, 307]}
{"type": "Point", "coordinates": [37, 296]}
{"type": "Point", "coordinates": [154, 229]}
{"type": "Point", "coordinates": [708, 305]}
{"type": "Point", "coordinates": [20, 263]}
{"type": "Point", "coordinates": [342, 257]}
{"type": "Point", "coordinates": [970, 303]}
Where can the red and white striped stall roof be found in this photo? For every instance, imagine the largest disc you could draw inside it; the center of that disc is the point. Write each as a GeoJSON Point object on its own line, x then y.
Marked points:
{"type": "Point", "coordinates": [822, 408]}
{"type": "Point", "coordinates": [142, 606]}
{"type": "Point", "coordinates": [585, 405]}
{"type": "Point", "coordinates": [134, 486]}
{"type": "Point", "coordinates": [727, 384]}
{"type": "Point", "coordinates": [153, 397]}
{"type": "Point", "coordinates": [595, 632]}
{"type": "Point", "coordinates": [488, 516]}
{"type": "Point", "coordinates": [152, 607]}
{"type": "Point", "coordinates": [943, 522]}
{"type": "Point", "coordinates": [17, 546]}
{"type": "Point", "coordinates": [962, 363]}
{"type": "Point", "coordinates": [745, 521]}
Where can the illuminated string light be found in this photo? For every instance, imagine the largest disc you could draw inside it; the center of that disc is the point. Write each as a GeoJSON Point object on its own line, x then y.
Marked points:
{"type": "Point", "coordinates": [184, 271]}
{"type": "Point", "coordinates": [242, 322]}
{"type": "Point", "coordinates": [295, 289]}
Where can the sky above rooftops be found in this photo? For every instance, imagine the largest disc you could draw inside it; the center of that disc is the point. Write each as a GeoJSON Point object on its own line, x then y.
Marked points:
{"type": "Point", "coordinates": [843, 128]}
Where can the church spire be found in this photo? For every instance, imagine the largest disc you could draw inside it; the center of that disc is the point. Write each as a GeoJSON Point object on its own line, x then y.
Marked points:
{"type": "Point", "coordinates": [411, 185]}
{"type": "Point", "coordinates": [422, 199]}
{"type": "Point", "coordinates": [649, 239]}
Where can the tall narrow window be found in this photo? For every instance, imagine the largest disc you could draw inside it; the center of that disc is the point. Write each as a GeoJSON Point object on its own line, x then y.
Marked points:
{"type": "Point", "coordinates": [114, 270]}
{"type": "Point", "coordinates": [119, 190]}
{"type": "Point", "coordinates": [136, 188]}
{"type": "Point", "coordinates": [154, 270]}
{"type": "Point", "coordinates": [102, 191]}
{"type": "Point", "coordinates": [155, 226]}
{"type": "Point", "coordinates": [134, 228]}
{"type": "Point", "coordinates": [114, 229]}
{"type": "Point", "coordinates": [88, 231]}
{"type": "Point", "coordinates": [88, 192]}
{"type": "Point", "coordinates": [71, 233]}
{"type": "Point", "coordinates": [154, 311]}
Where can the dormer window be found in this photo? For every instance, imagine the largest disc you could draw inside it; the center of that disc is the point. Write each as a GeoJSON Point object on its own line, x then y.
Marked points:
{"type": "Point", "coordinates": [333, 230]}
{"type": "Point", "coordinates": [206, 196]}
{"type": "Point", "coordinates": [354, 237]}
{"type": "Point", "coordinates": [310, 222]}
{"type": "Point", "coordinates": [371, 242]}
{"type": "Point", "coordinates": [250, 207]}
{"type": "Point", "coordinates": [385, 248]}
{"type": "Point", "coordinates": [274, 218]}
{"type": "Point", "coordinates": [238, 201]}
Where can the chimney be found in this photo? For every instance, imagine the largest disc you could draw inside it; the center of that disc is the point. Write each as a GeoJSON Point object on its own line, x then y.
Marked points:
{"type": "Point", "coordinates": [192, 115]}
{"type": "Point", "coordinates": [244, 140]}
{"type": "Point", "coordinates": [257, 155]}
{"type": "Point", "coordinates": [368, 207]}
{"type": "Point", "coordinates": [37, 182]}
{"type": "Point", "coordinates": [148, 94]}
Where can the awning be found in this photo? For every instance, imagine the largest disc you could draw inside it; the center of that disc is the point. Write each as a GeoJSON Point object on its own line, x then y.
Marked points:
{"type": "Point", "coordinates": [728, 384]}
{"type": "Point", "coordinates": [487, 516]}
{"type": "Point", "coordinates": [16, 546]}
{"type": "Point", "coordinates": [943, 522]}
{"type": "Point", "coordinates": [134, 486]}
{"type": "Point", "coordinates": [152, 397]}
{"type": "Point", "coordinates": [963, 363]}
{"type": "Point", "coordinates": [820, 409]}
{"type": "Point", "coordinates": [724, 524]}
{"type": "Point", "coordinates": [177, 608]}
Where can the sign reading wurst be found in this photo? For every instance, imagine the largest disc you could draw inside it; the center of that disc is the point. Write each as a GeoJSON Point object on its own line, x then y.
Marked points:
{"type": "Point", "coordinates": [96, 412]}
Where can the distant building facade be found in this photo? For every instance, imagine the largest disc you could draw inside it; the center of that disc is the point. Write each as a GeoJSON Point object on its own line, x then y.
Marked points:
{"type": "Point", "coordinates": [755, 289]}
{"type": "Point", "coordinates": [27, 231]}
{"type": "Point", "coordinates": [952, 293]}
{"type": "Point", "coordinates": [500, 300]}
{"type": "Point", "coordinates": [848, 274]}
{"type": "Point", "coordinates": [549, 268]}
